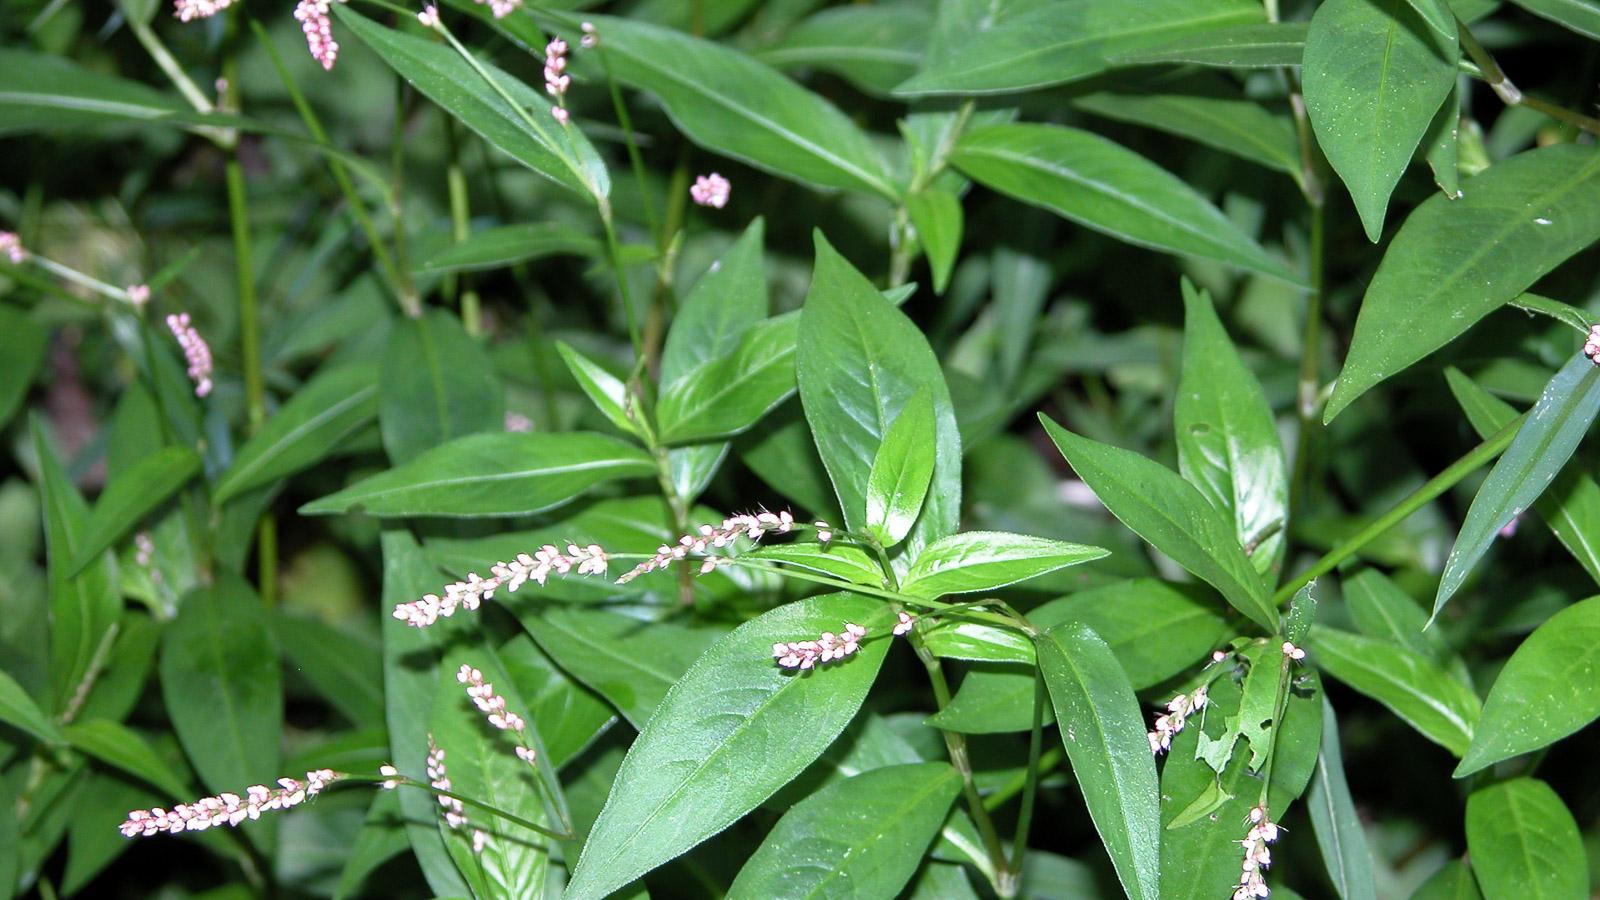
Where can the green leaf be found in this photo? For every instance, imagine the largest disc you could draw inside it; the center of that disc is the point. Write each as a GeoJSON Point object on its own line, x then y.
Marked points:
{"type": "Point", "coordinates": [83, 607]}
{"type": "Point", "coordinates": [1104, 186]}
{"type": "Point", "coordinates": [220, 682]}
{"type": "Point", "coordinates": [132, 495]}
{"type": "Point", "coordinates": [124, 749]}
{"type": "Point", "coordinates": [1255, 720]}
{"type": "Point", "coordinates": [1524, 843]}
{"type": "Point", "coordinates": [1426, 697]}
{"type": "Point", "coordinates": [1549, 688]}
{"type": "Point", "coordinates": [731, 732]}
{"type": "Point", "coordinates": [1455, 261]}
{"type": "Point", "coordinates": [317, 420]}
{"type": "Point", "coordinates": [1582, 16]}
{"type": "Point", "coordinates": [859, 362]}
{"type": "Point", "coordinates": [731, 104]}
{"type": "Point", "coordinates": [437, 384]}
{"type": "Point", "coordinates": [1228, 443]}
{"type": "Point", "coordinates": [1438, 15]}
{"type": "Point", "coordinates": [783, 454]}
{"type": "Point", "coordinates": [1382, 610]}
{"type": "Point", "coordinates": [497, 248]}
{"type": "Point", "coordinates": [1257, 45]}
{"type": "Point", "coordinates": [382, 837]}
{"type": "Point", "coordinates": [901, 471]}
{"type": "Point", "coordinates": [1104, 735]}
{"type": "Point", "coordinates": [728, 300]}
{"type": "Point", "coordinates": [1570, 506]}
{"type": "Point", "coordinates": [1441, 146]}
{"type": "Point", "coordinates": [1172, 515]}
{"type": "Point", "coordinates": [937, 216]}
{"type": "Point", "coordinates": [527, 132]}
{"type": "Point", "coordinates": [895, 811]}
{"type": "Point", "coordinates": [18, 710]}
{"type": "Point", "coordinates": [837, 559]}
{"type": "Point", "coordinates": [500, 474]}
{"type": "Point", "coordinates": [726, 395]}
{"type": "Point", "coordinates": [1453, 881]}
{"type": "Point", "coordinates": [992, 699]}
{"type": "Point", "coordinates": [568, 716]}
{"type": "Point", "coordinates": [1374, 77]}
{"type": "Point", "coordinates": [22, 344]}
{"type": "Point", "coordinates": [1156, 629]}
{"type": "Point", "coordinates": [1335, 821]}
{"type": "Point", "coordinates": [44, 91]}
{"type": "Point", "coordinates": [346, 670]}
{"type": "Point", "coordinates": [1243, 128]}
{"type": "Point", "coordinates": [1542, 446]}
{"type": "Point", "coordinates": [984, 560]}
{"type": "Point", "coordinates": [604, 389]}
{"type": "Point", "coordinates": [872, 47]}
{"type": "Point", "coordinates": [1061, 42]}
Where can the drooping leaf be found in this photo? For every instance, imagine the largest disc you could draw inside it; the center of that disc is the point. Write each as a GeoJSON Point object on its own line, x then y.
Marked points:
{"type": "Point", "coordinates": [1243, 128]}
{"type": "Point", "coordinates": [131, 496]}
{"type": "Point", "coordinates": [1258, 45]}
{"type": "Point", "coordinates": [18, 710]}
{"type": "Point", "coordinates": [732, 731]}
{"type": "Point", "coordinates": [436, 384]}
{"type": "Point", "coordinates": [1582, 16]}
{"type": "Point", "coordinates": [1524, 842]}
{"type": "Point", "coordinates": [1542, 446]}
{"type": "Point", "coordinates": [1172, 515]}
{"type": "Point", "coordinates": [901, 471]}
{"type": "Point", "coordinates": [496, 248]}
{"type": "Point", "coordinates": [937, 216]}
{"type": "Point", "coordinates": [498, 474]}
{"type": "Point", "coordinates": [1426, 697]}
{"type": "Point", "coordinates": [1334, 819]}
{"type": "Point", "coordinates": [41, 90]}
{"type": "Point", "coordinates": [124, 749]}
{"type": "Point", "coordinates": [320, 417]}
{"type": "Point", "coordinates": [984, 560]}
{"type": "Point", "coordinates": [346, 669]}
{"type": "Point", "coordinates": [1374, 75]}
{"type": "Point", "coordinates": [1104, 186]}
{"type": "Point", "coordinates": [727, 394]}
{"type": "Point", "coordinates": [873, 47]}
{"type": "Point", "coordinates": [839, 560]}
{"type": "Point", "coordinates": [605, 390]}
{"type": "Point", "coordinates": [1454, 261]}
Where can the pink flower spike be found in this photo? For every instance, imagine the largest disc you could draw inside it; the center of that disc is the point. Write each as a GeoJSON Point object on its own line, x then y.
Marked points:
{"type": "Point", "coordinates": [560, 114]}
{"type": "Point", "coordinates": [710, 190]}
{"type": "Point", "coordinates": [318, 27]}
{"type": "Point", "coordinates": [501, 8]}
{"type": "Point", "coordinates": [828, 647]}
{"type": "Point", "coordinates": [468, 594]}
{"type": "Point", "coordinates": [905, 624]}
{"type": "Point", "coordinates": [189, 10]}
{"type": "Point", "coordinates": [226, 809]}
{"type": "Point", "coordinates": [429, 16]}
{"type": "Point", "coordinates": [195, 350]}
{"type": "Point", "coordinates": [11, 246]}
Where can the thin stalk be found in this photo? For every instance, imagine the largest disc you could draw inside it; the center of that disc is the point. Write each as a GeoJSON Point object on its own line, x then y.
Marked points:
{"type": "Point", "coordinates": [1003, 794]}
{"type": "Point", "coordinates": [900, 248]}
{"type": "Point", "coordinates": [1474, 459]}
{"type": "Point", "coordinates": [1510, 94]}
{"type": "Point", "coordinates": [635, 160]}
{"type": "Point", "coordinates": [1030, 787]}
{"type": "Point", "coordinates": [614, 256]}
{"type": "Point", "coordinates": [222, 137]}
{"type": "Point", "coordinates": [397, 179]}
{"type": "Point", "coordinates": [1309, 389]}
{"type": "Point", "coordinates": [680, 513]}
{"type": "Point", "coordinates": [460, 229]}
{"type": "Point", "coordinates": [1278, 705]}
{"type": "Point", "coordinates": [67, 273]}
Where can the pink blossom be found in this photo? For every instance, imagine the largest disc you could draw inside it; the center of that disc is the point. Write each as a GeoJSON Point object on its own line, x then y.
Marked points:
{"type": "Point", "coordinates": [455, 815]}
{"type": "Point", "coordinates": [429, 16]}
{"type": "Point", "coordinates": [1178, 710]}
{"type": "Point", "coordinates": [752, 525]}
{"type": "Point", "coordinates": [826, 648]}
{"type": "Point", "coordinates": [227, 809]}
{"type": "Point", "coordinates": [1591, 346]}
{"type": "Point", "coordinates": [590, 37]}
{"type": "Point", "coordinates": [711, 190]}
{"type": "Point", "coordinates": [138, 295]}
{"type": "Point", "coordinates": [189, 10]}
{"type": "Point", "coordinates": [11, 246]}
{"type": "Point", "coordinates": [501, 8]}
{"type": "Point", "coordinates": [195, 350]}
{"type": "Point", "coordinates": [318, 27]}
{"type": "Point", "coordinates": [468, 594]}
{"type": "Point", "coordinates": [516, 421]}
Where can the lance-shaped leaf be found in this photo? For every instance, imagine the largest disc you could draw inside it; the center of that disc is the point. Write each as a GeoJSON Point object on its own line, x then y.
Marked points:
{"type": "Point", "coordinates": [1104, 735]}
{"type": "Point", "coordinates": [1549, 689]}
{"type": "Point", "coordinates": [845, 561]}
{"type": "Point", "coordinates": [731, 732]}
{"type": "Point", "coordinates": [901, 471]}
{"type": "Point", "coordinates": [993, 699]}
{"type": "Point", "coordinates": [1426, 697]}
{"type": "Point", "coordinates": [1582, 16]}
{"type": "Point", "coordinates": [726, 395]}
{"type": "Point", "coordinates": [1453, 881]}
{"type": "Point", "coordinates": [937, 216]}
{"type": "Point", "coordinates": [605, 390]}
{"type": "Point", "coordinates": [1334, 819]}
{"type": "Point", "coordinates": [1228, 443]}
{"type": "Point", "coordinates": [496, 248]}
{"type": "Point", "coordinates": [1172, 515]}
{"type": "Point", "coordinates": [1232, 124]}
{"type": "Point", "coordinates": [1382, 610]}
{"type": "Point", "coordinates": [122, 748]}
{"type": "Point", "coordinates": [984, 560]}
{"type": "Point", "coordinates": [1109, 188]}
{"type": "Point", "coordinates": [872, 851]}
{"type": "Point", "coordinates": [1374, 74]}
{"type": "Point", "coordinates": [132, 495]}
{"type": "Point", "coordinates": [1524, 842]}
{"type": "Point", "coordinates": [1540, 449]}
{"type": "Point", "coordinates": [500, 474]}
{"type": "Point", "coordinates": [872, 47]}
{"type": "Point", "coordinates": [1454, 261]}
{"type": "Point", "coordinates": [1261, 45]}
{"type": "Point", "coordinates": [436, 384]}
{"type": "Point", "coordinates": [320, 417]}
{"type": "Point", "coordinates": [729, 103]}
{"type": "Point", "coordinates": [18, 710]}
{"type": "Point", "coordinates": [22, 341]}
{"type": "Point", "coordinates": [40, 90]}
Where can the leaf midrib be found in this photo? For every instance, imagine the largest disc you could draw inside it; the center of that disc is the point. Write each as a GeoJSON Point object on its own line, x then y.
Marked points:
{"type": "Point", "coordinates": [615, 462]}
{"type": "Point", "coordinates": [885, 826]}
{"type": "Point", "coordinates": [244, 472]}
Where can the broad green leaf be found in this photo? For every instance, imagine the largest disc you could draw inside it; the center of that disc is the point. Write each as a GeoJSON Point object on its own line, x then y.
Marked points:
{"type": "Point", "coordinates": [1382, 610]}
{"type": "Point", "coordinates": [1582, 16]}
{"type": "Point", "coordinates": [1374, 75]}
{"type": "Point", "coordinates": [873, 47]}
{"type": "Point", "coordinates": [567, 715]}
{"type": "Point", "coordinates": [1524, 843]}
{"type": "Point", "coordinates": [18, 710]}
{"type": "Point", "coordinates": [496, 248]}
{"type": "Point", "coordinates": [1156, 629]}
{"type": "Point", "coordinates": [1441, 146]}
{"type": "Point", "coordinates": [1570, 506]}
{"type": "Point", "coordinates": [83, 607]}
{"type": "Point", "coordinates": [347, 670]}
{"type": "Point", "coordinates": [437, 384]}
{"type": "Point", "coordinates": [859, 362]}
{"type": "Point", "coordinates": [936, 214]}
{"type": "Point", "coordinates": [605, 390]}
{"type": "Point", "coordinates": [984, 560]}
{"type": "Point", "coordinates": [500, 474]}
{"type": "Point", "coordinates": [784, 456]}
{"type": "Point", "coordinates": [1426, 697]}
{"type": "Point", "coordinates": [93, 841]}
{"type": "Point", "coordinates": [1454, 261]}
{"type": "Point", "coordinates": [1334, 819]}
{"type": "Point", "coordinates": [1257, 45]}
{"type": "Point", "coordinates": [320, 417]}
{"type": "Point", "coordinates": [813, 851]}
{"type": "Point", "coordinates": [956, 639]}
{"type": "Point", "coordinates": [1172, 515]}
{"type": "Point", "coordinates": [220, 682]}
{"type": "Point", "coordinates": [727, 394]}
{"type": "Point", "coordinates": [992, 699]}
{"type": "Point", "coordinates": [1062, 42]}
{"type": "Point", "coordinates": [526, 132]}
{"type": "Point", "coordinates": [1243, 128]}
{"type": "Point", "coordinates": [901, 471]}
{"type": "Point", "coordinates": [729, 299]}
{"type": "Point", "coordinates": [44, 91]}
{"type": "Point", "coordinates": [1104, 186]}
{"type": "Point", "coordinates": [1438, 15]}
{"type": "Point", "coordinates": [22, 344]}
{"type": "Point", "coordinates": [840, 560]}
{"type": "Point", "coordinates": [731, 732]}
{"type": "Point", "coordinates": [1542, 446]}
{"type": "Point", "coordinates": [1453, 881]}
{"type": "Point", "coordinates": [132, 495]}
{"type": "Point", "coordinates": [1549, 689]}
{"type": "Point", "coordinates": [729, 103]}
{"type": "Point", "coordinates": [1228, 443]}
{"type": "Point", "coordinates": [124, 749]}
{"type": "Point", "coordinates": [1255, 719]}
{"type": "Point", "coordinates": [633, 663]}
{"type": "Point", "coordinates": [1104, 735]}
{"type": "Point", "coordinates": [122, 681]}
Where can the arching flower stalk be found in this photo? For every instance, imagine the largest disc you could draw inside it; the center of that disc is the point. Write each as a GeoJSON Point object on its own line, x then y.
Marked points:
{"type": "Point", "coordinates": [227, 809]}
{"type": "Point", "coordinates": [705, 538]}
{"type": "Point", "coordinates": [493, 706]}
{"type": "Point", "coordinates": [471, 592]}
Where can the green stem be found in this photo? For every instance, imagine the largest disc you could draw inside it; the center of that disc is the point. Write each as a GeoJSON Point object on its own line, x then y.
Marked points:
{"type": "Point", "coordinates": [460, 228]}
{"type": "Point", "coordinates": [1003, 794]}
{"type": "Point", "coordinates": [222, 137]}
{"type": "Point", "coordinates": [961, 609]}
{"type": "Point", "coordinates": [900, 251]}
{"type": "Point", "coordinates": [614, 255]}
{"type": "Point", "coordinates": [1475, 458]}
{"type": "Point", "coordinates": [1030, 788]}
{"type": "Point", "coordinates": [1510, 94]}
{"type": "Point", "coordinates": [1278, 706]}
{"type": "Point", "coordinates": [67, 273]}
{"type": "Point", "coordinates": [397, 195]}
{"type": "Point", "coordinates": [1309, 390]}
{"type": "Point", "coordinates": [635, 160]}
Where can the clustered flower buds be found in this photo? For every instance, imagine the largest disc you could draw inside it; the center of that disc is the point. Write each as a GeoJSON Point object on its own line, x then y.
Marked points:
{"type": "Point", "coordinates": [556, 81]}
{"type": "Point", "coordinates": [391, 773]}
{"type": "Point", "coordinates": [1294, 653]}
{"type": "Point", "coordinates": [751, 525]}
{"type": "Point", "coordinates": [826, 648]}
{"type": "Point", "coordinates": [138, 295]}
{"type": "Point", "coordinates": [590, 560]}
{"type": "Point", "coordinates": [11, 246]}
{"type": "Point", "coordinates": [518, 422]}
{"type": "Point", "coordinates": [195, 350]}
{"type": "Point", "coordinates": [226, 809]}
{"type": "Point", "coordinates": [710, 190]}
{"type": "Point", "coordinates": [1169, 723]}
{"type": "Point", "coordinates": [429, 16]}
{"type": "Point", "coordinates": [824, 531]}
{"type": "Point", "coordinates": [455, 815]}
{"type": "Point", "coordinates": [591, 38]}
{"type": "Point", "coordinates": [904, 625]}
{"type": "Point", "coordinates": [1257, 857]}
{"type": "Point", "coordinates": [1591, 346]}
{"type": "Point", "coordinates": [318, 27]}
{"type": "Point", "coordinates": [501, 8]}
{"type": "Point", "coordinates": [144, 549]}
{"type": "Point", "coordinates": [188, 10]}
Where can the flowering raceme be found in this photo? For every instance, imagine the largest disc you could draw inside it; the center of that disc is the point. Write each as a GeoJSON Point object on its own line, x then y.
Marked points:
{"type": "Point", "coordinates": [195, 350]}
{"type": "Point", "coordinates": [227, 809]}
